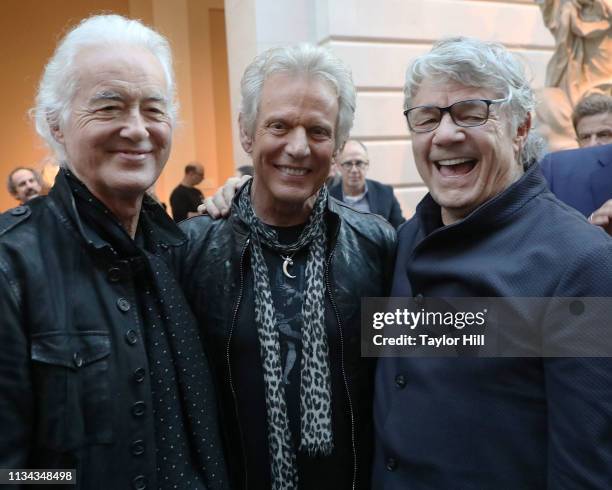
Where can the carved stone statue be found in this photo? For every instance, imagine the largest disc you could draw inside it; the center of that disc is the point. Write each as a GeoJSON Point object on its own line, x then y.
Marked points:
{"type": "Point", "coordinates": [581, 63]}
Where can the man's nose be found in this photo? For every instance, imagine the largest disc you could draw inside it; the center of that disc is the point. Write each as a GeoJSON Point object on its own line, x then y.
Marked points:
{"type": "Point", "coordinates": [134, 126]}
{"type": "Point", "coordinates": [297, 146]}
{"type": "Point", "coordinates": [448, 132]}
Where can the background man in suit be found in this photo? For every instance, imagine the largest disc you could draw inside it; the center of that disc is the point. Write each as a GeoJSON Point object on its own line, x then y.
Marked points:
{"type": "Point", "coordinates": [592, 119]}
{"type": "Point", "coordinates": [361, 193]}
{"type": "Point", "coordinates": [583, 179]}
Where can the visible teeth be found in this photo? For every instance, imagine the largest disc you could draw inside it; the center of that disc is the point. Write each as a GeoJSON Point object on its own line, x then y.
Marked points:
{"type": "Point", "coordinates": [293, 170]}
{"type": "Point", "coordinates": [454, 161]}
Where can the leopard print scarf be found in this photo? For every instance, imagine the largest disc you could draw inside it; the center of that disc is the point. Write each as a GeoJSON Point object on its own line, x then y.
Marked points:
{"type": "Point", "coordinates": [315, 387]}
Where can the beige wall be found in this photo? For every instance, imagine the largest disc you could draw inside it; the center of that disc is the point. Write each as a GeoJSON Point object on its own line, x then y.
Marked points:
{"type": "Point", "coordinates": [29, 30]}
{"type": "Point", "coordinates": [378, 39]}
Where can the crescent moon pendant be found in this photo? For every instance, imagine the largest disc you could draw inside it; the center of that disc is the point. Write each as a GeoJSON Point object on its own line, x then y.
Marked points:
{"type": "Point", "coordinates": [287, 262]}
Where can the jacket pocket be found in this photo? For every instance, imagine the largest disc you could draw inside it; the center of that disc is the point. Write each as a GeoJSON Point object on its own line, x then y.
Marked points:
{"type": "Point", "coordinates": [72, 385]}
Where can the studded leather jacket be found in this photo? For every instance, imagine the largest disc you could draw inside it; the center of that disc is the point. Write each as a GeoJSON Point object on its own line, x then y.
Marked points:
{"type": "Point", "coordinates": [217, 278]}
{"type": "Point", "coordinates": [74, 384]}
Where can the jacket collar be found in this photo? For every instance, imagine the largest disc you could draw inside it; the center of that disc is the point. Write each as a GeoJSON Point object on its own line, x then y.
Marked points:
{"type": "Point", "coordinates": [492, 212]}
{"type": "Point", "coordinates": [162, 230]}
{"type": "Point", "coordinates": [332, 219]}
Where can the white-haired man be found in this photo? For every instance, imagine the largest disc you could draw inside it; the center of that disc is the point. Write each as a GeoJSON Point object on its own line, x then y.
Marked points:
{"type": "Point", "coordinates": [276, 286]}
{"type": "Point", "coordinates": [101, 368]}
{"type": "Point", "coordinates": [489, 227]}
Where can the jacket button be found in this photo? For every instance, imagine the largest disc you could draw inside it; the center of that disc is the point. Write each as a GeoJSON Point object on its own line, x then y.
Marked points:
{"type": "Point", "coordinates": [131, 337]}
{"type": "Point", "coordinates": [391, 464]}
{"type": "Point", "coordinates": [419, 300]}
{"type": "Point", "coordinates": [123, 304]}
{"type": "Point", "coordinates": [77, 359]}
{"type": "Point", "coordinates": [138, 409]}
{"type": "Point", "coordinates": [114, 274]}
{"type": "Point", "coordinates": [139, 374]}
{"type": "Point", "coordinates": [139, 483]}
{"type": "Point", "coordinates": [19, 210]}
{"type": "Point", "coordinates": [138, 447]}
{"type": "Point", "coordinates": [400, 380]}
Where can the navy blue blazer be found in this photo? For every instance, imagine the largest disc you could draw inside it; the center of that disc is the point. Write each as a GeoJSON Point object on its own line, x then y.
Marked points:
{"type": "Point", "coordinates": [381, 199]}
{"type": "Point", "coordinates": [580, 178]}
{"type": "Point", "coordinates": [497, 423]}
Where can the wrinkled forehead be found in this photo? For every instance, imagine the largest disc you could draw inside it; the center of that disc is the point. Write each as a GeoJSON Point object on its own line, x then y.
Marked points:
{"type": "Point", "coordinates": [129, 70]}
{"type": "Point", "coordinates": [22, 175]}
{"type": "Point", "coordinates": [444, 92]}
{"type": "Point", "coordinates": [352, 151]}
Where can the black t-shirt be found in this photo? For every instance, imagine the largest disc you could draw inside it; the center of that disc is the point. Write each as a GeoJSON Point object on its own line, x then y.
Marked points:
{"type": "Point", "coordinates": [315, 472]}
{"type": "Point", "coordinates": [185, 200]}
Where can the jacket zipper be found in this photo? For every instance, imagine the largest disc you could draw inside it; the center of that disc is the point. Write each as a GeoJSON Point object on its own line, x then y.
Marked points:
{"type": "Point", "coordinates": [346, 386]}
{"type": "Point", "coordinates": [229, 366]}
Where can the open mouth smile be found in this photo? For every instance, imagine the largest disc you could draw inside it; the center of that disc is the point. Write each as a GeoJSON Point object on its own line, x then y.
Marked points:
{"type": "Point", "coordinates": [455, 167]}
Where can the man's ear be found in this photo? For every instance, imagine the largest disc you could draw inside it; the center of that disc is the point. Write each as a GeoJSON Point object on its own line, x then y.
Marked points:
{"type": "Point", "coordinates": [56, 132]}
{"type": "Point", "coordinates": [245, 140]}
{"type": "Point", "coordinates": [521, 134]}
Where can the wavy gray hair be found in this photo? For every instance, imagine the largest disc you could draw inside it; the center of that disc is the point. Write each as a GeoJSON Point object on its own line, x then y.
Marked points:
{"type": "Point", "coordinates": [301, 59]}
{"type": "Point", "coordinates": [58, 84]}
{"type": "Point", "coordinates": [475, 63]}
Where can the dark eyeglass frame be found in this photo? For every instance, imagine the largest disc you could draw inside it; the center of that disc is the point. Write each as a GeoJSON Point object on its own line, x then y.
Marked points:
{"type": "Point", "coordinates": [360, 164]}
{"type": "Point", "coordinates": [449, 109]}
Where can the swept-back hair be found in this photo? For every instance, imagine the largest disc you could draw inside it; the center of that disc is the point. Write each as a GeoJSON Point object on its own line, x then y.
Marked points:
{"type": "Point", "coordinates": [475, 63]}
{"type": "Point", "coordinates": [298, 60]}
{"type": "Point", "coordinates": [591, 105]}
{"type": "Point", "coordinates": [58, 84]}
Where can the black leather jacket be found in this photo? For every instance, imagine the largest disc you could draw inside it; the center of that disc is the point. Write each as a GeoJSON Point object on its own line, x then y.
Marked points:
{"type": "Point", "coordinates": [74, 383]}
{"type": "Point", "coordinates": [217, 278]}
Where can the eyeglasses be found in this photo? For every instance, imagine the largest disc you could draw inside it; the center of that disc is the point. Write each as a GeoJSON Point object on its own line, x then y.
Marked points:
{"type": "Point", "coordinates": [348, 165]}
{"type": "Point", "coordinates": [465, 113]}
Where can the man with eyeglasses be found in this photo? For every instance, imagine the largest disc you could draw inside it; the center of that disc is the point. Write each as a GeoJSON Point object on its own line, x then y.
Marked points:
{"type": "Point", "coordinates": [489, 228]}
{"type": "Point", "coordinates": [360, 193]}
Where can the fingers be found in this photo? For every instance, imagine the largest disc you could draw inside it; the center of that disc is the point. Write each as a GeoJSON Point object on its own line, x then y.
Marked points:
{"type": "Point", "coordinates": [603, 216]}
{"type": "Point", "coordinates": [223, 197]}
{"type": "Point", "coordinates": [210, 208]}
{"type": "Point", "coordinates": [220, 204]}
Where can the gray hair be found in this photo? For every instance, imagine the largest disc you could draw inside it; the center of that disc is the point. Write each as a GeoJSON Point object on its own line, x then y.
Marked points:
{"type": "Point", "coordinates": [58, 84]}
{"type": "Point", "coordinates": [301, 59]}
{"type": "Point", "coordinates": [475, 63]}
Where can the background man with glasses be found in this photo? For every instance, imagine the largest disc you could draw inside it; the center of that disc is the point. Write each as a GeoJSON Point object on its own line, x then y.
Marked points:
{"type": "Point", "coordinates": [360, 193]}
{"type": "Point", "coordinates": [489, 227]}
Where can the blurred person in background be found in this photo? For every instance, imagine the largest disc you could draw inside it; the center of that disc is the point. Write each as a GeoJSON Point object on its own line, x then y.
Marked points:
{"type": "Point", "coordinates": [24, 183]}
{"type": "Point", "coordinates": [186, 197]}
{"type": "Point", "coordinates": [360, 193]}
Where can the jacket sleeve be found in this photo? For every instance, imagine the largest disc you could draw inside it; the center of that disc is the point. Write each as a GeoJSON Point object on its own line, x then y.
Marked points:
{"type": "Point", "coordinates": [396, 218]}
{"type": "Point", "coordinates": [579, 389]}
{"type": "Point", "coordinates": [16, 399]}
